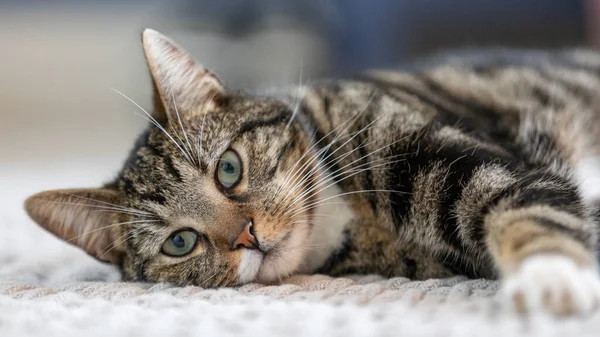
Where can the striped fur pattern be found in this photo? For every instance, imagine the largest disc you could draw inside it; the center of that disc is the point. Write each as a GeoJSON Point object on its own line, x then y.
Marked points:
{"type": "Point", "coordinates": [469, 164]}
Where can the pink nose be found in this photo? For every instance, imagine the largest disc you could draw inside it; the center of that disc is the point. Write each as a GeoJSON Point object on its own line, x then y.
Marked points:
{"type": "Point", "coordinates": [246, 239]}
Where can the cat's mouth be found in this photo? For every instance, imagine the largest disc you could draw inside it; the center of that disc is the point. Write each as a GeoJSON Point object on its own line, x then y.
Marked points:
{"type": "Point", "coordinates": [270, 261]}
{"type": "Point", "coordinates": [273, 248]}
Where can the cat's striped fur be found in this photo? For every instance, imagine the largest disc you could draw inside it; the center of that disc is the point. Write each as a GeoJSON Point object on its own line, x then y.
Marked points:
{"type": "Point", "coordinates": [472, 164]}
{"type": "Point", "coordinates": [480, 142]}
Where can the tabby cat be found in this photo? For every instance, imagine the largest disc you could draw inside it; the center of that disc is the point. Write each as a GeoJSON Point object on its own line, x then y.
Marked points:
{"type": "Point", "coordinates": [481, 165]}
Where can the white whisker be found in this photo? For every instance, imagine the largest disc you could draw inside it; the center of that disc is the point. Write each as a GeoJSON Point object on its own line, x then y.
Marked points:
{"type": "Point", "coordinates": [110, 226]}
{"type": "Point", "coordinates": [200, 150]}
{"type": "Point", "coordinates": [108, 203]}
{"type": "Point", "coordinates": [116, 243]}
{"type": "Point", "coordinates": [335, 173]}
{"type": "Point", "coordinates": [308, 174]}
{"type": "Point", "coordinates": [112, 209]}
{"type": "Point", "coordinates": [292, 173]}
{"type": "Point", "coordinates": [154, 122]}
{"type": "Point", "coordinates": [301, 93]}
{"type": "Point", "coordinates": [349, 193]}
{"type": "Point", "coordinates": [331, 181]}
{"type": "Point", "coordinates": [300, 173]}
{"type": "Point", "coordinates": [181, 126]}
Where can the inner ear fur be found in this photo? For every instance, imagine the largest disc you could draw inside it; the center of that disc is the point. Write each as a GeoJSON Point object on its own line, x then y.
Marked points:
{"type": "Point", "coordinates": [182, 86]}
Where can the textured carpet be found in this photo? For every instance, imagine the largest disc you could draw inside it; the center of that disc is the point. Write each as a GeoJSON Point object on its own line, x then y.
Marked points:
{"type": "Point", "coordinates": [48, 288]}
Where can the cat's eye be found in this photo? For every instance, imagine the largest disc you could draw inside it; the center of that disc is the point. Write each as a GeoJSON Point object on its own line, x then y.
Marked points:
{"type": "Point", "coordinates": [180, 243]}
{"type": "Point", "coordinates": [229, 171]}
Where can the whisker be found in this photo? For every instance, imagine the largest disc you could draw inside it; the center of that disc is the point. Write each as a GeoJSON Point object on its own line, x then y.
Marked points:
{"type": "Point", "coordinates": [352, 173]}
{"type": "Point", "coordinates": [200, 138]}
{"type": "Point", "coordinates": [295, 186]}
{"type": "Point", "coordinates": [181, 126]}
{"type": "Point", "coordinates": [324, 215]}
{"type": "Point", "coordinates": [116, 243]}
{"type": "Point", "coordinates": [327, 177]}
{"type": "Point", "coordinates": [155, 123]}
{"type": "Point", "coordinates": [298, 174]}
{"type": "Point", "coordinates": [292, 172]}
{"type": "Point", "coordinates": [223, 277]}
{"type": "Point", "coordinates": [116, 210]}
{"type": "Point", "coordinates": [107, 203]}
{"type": "Point", "coordinates": [174, 131]}
{"type": "Point", "coordinates": [110, 226]}
{"type": "Point", "coordinates": [300, 94]}
{"type": "Point", "coordinates": [368, 166]}
{"type": "Point", "coordinates": [310, 207]}
{"type": "Point", "coordinates": [217, 272]}
{"type": "Point", "coordinates": [319, 215]}
{"type": "Point", "coordinates": [355, 192]}
{"type": "Point", "coordinates": [308, 174]}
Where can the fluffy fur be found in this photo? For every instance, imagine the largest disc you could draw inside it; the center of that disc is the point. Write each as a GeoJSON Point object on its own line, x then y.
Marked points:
{"type": "Point", "coordinates": [470, 164]}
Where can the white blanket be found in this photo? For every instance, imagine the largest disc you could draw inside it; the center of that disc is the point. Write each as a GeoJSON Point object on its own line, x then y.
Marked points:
{"type": "Point", "coordinates": [50, 289]}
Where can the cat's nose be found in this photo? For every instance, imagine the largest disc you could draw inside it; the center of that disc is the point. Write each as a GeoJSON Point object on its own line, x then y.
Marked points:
{"type": "Point", "coordinates": [245, 239]}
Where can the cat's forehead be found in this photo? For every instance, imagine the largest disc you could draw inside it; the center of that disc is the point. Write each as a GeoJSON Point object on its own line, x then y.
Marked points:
{"type": "Point", "coordinates": [193, 145]}
{"type": "Point", "coordinates": [237, 109]}
{"type": "Point", "coordinates": [240, 116]}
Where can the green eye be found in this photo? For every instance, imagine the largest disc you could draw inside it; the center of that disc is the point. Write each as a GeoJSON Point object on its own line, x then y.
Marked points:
{"type": "Point", "coordinates": [180, 243]}
{"type": "Point", "coordinates": [229, 171]}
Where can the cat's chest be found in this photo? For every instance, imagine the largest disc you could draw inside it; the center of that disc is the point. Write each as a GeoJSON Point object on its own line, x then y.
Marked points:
{"type": "Point", "coordinates": [331, 219]}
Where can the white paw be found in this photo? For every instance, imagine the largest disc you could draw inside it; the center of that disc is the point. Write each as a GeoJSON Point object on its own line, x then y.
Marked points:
{"type": "Point", "coordinates": [553, 284]}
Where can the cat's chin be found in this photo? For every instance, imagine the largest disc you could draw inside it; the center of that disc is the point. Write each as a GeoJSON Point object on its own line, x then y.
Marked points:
{"type": "Point", "coordinates": [282, 260]}
{"type": "Point", "coordinates": [250, 263]}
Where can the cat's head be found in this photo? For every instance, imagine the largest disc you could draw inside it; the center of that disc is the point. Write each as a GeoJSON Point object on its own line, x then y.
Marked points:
{"type": "Point", "coordinates": [216, 192]}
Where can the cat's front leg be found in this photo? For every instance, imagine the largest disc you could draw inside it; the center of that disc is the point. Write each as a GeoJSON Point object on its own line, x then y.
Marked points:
{"type": "Point", "coordinates": [546, 260]}
{"type": "Point", "coordinates": [539, 234]}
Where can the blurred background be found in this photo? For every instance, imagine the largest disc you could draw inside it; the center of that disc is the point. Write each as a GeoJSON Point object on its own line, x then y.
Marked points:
{"type": "Point", "coordinates": [62, 126]}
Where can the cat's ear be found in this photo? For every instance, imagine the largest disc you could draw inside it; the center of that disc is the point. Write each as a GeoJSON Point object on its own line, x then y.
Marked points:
{"type": "Point", "coordinates": [181, 84]}
{"type": "Point", "coordinates": [83, 217]}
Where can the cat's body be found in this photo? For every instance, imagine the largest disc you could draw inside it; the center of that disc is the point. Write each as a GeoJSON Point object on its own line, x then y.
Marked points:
{"type": "Point", "coordinates": [474, 165]}
{"type": "Point", "coordinates": [465, 132]}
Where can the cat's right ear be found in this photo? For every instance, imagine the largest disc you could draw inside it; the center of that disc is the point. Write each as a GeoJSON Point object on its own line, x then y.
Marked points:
{"type": "Point", "coordinates": [181, 85]}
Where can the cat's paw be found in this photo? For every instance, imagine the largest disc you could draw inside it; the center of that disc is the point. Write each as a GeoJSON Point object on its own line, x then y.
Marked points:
{"type": "Point", "coordinates": [553, 284]}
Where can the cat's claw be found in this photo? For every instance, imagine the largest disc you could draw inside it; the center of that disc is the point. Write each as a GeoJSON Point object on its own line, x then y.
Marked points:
{"type": "Point", "coordinates": [553, 284]}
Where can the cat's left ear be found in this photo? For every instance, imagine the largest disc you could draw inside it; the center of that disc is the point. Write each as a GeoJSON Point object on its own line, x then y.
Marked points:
{"type": "Point", "coordinates": [183, 85]}
{"type": "Point", "coordinates": [83, 217]}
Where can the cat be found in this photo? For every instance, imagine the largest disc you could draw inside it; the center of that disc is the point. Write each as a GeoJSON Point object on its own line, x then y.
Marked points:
{"type": "Point", "coordinates": [477, 164]}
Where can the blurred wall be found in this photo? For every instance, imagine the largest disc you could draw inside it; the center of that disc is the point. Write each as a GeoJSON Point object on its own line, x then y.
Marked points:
{"type": "Point", "coordinates": [61, 125]}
